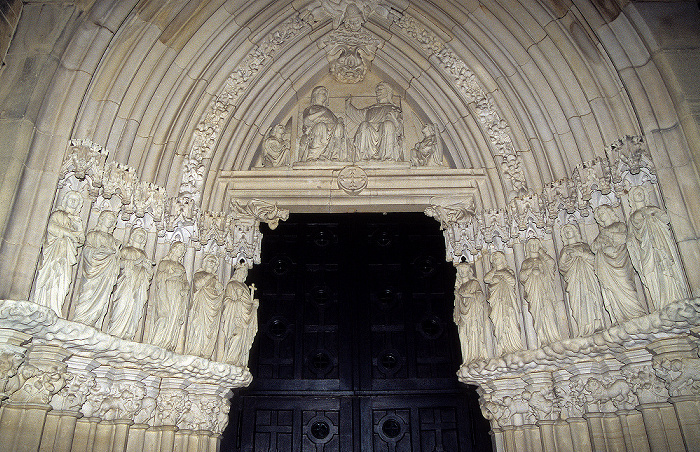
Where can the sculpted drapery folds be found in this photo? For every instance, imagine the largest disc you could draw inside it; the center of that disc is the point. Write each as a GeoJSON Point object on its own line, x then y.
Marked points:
{"type": "Point", "coordinates": [239, 320]}
{"type": "Point", "coordinates": [505, 306]}
{"type": "Point", "coordinates": [613, 267]}
{"type": "Point", "coordinates": [653, 251]}
{"type": "Point", "coordinates": [64, 235]}
{"type": "Point", "coordinates": [428, 151]}
{"type": "Point", "coordinates": [205, 313]}
{"type": "Point", "coordinates": [132, 287]}
{"type": "Point", "coordinates": [323, 134]}
{"type": "Point", "coordinates": [577, 264]}
{"type": "Point", "coordinates": [276, 146]}
{"type": "Point", "coordinates": [470, 314]}
{"type": "Point", "coordinates": [167, 311]}
{"type": "Point", "coordinates": [100, 270]}
{"type": "Point", "coordinates": [379, 135]}
{"type": "Point", "coordinates": [537, 276]}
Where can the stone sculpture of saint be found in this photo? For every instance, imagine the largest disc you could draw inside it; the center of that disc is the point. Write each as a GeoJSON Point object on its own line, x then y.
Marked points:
{"type": "Point", "coordinates": [653, 251]}
{"type": "Point", "coordinates": [471, 314]}
{"type": "Point", "coordinates": [613, 267]}
{"type": "Point", "coordinates": [577, 265]}
{"type": "Point", "coordinates": [322, 133]}
{"type": "Point", "coordinates": [537, 277]}
{"type": "Point", "coordinates": [505, 306]}
{"type": "Point", "coordinates": [276, 146]}
{"type": "Point", "coordinates": [167, 309]}
{"type": "Point", "coordinates": [100, 271]}
{"type": "Point", "coordinates": [131, 294]}
{"type": "Point", "coordinates": [379, 135]}
{"type": "Point", "coordinates": [428, 151]}
{"type": "Point", "coordinates": [205, 312]}
{"type": "Point", "coordinates": [64, 234]}
{"type": "Point", "coordinates": [239, 320]}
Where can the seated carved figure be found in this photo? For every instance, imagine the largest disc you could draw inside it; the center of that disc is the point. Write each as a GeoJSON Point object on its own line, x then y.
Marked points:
{"type": "Point", "coordinates": [323, 134]}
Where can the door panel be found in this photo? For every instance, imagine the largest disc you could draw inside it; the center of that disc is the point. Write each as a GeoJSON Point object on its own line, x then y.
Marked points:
{"type": "Point", "coordinates": [356, 349]}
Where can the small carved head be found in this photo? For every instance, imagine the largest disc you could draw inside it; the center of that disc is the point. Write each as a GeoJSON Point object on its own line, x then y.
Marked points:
{"type": "Point", "coordinates": [532, 247]}
{"type": "Point", "coordinates": [570, 234]}
{"type": "Point", "coordinates": [604, 215]}
{"type": "Point", "coordinates": [177, 251]}
{"type": "Point", "coordinates": [210, 263]}
{"type": "Point", "coordinates": [138, 238]}
{"type": "Point", "coordinates": [498, 260]}
{"type": "Point", "coordinates": [319, 96]}
{"type": "Point", "coordinates": [353, 18]}
{"type": "Point", "coordinates": [637, 197]}
{"type": "Point", "coordinates": [107, 221]}
{"type": "Point", "coordinates": [72, 202]}
{"type": "Point", "coordinates": [384, 92]}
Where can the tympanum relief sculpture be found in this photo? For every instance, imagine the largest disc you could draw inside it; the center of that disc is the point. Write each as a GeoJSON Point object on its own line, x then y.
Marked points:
{"type": "Point", "coordinates": [428, 151]}
{"type": "Point", "coordinates": [100, 270]}
{"type": "Point", "coordinates": [653, 251]}
{"type": "Point", "coordinates": [323, 133]}
{"type": "Point", "coordinates": [471, 314]}
{"type": "Point", "coordinates": [64, 234]}
{"type": "Point", "coordinates": [277, 146]}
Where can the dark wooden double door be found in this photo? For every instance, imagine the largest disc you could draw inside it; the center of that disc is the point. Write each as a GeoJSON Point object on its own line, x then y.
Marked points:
{"type": "Point", "coordinates": [356, 349]}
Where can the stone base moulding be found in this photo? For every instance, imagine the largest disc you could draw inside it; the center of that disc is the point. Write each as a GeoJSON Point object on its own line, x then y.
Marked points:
{"type": "Point", "coordinates": [86, 390]}
{"type": "Point", "coordinates": [634, 387]}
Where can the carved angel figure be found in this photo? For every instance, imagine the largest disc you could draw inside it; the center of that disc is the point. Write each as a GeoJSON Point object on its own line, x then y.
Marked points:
{"type": "Point", "coordinates": [613, 267]}
{"type": "Point", "coordinates": [132, 287]}
{"type": "Point", "coordinates": [428, 151]}
{"type": "Point", "coordinates": [276, 145]}
{"type": "Point", "coordinates": [239, 320]}
{"type": "Point", "coordinates": [577, 263]}
{"type": "Point", "coordinates": [653, 251]}
{"type": "Point", "coordinates": [100, 270]}
{"type": "Point", "coordinates": [323, 134]}
{"type": "Point", "coordinates": [64, 234]}
{"type": "Point", "coordinates": [471, 314]}
{"type": "Point", "coordinates": [379, 135]}
{"type": "Point", "coordinates": [537, 276]}
{"type": "Point", "coordinates": [505, 307]}
{"type": "Point", "coordinates": [205, 313]}
{"type": "Point", "coordinates": [167, 312]}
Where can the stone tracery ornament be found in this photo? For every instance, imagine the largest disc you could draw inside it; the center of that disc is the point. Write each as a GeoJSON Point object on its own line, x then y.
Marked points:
{"type": "Point", "coordinates": [379, 134]}
{"type": "Point", "coordinates": [64, 234]}
{"type": "Point", "coordinates": [352, 179]}
{"type": "Point", "coordinates": [577, 264]}
{"type": "Point", "coordinates": [537, 276]}
{"type": "Point", "coordinates": [653, 251]}
{"type": "Point", "coordinates": [100, 271]}
{"type": "Point", "coordinates": [505, 305]}
{"type": "Point", "coordinates": [614, 268]}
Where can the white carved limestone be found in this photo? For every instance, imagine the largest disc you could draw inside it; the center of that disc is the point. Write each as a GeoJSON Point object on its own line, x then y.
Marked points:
{"type": "Point", "coordinates": [614, 268]}
{"type": "Point", "coordinates": [239, 320]}
{"type": "Point", "coordinates": [379, 135]}
{"type": "Point", "coordinates": [64, 234]}
{"type": "Point", "coordinates": [537, 276]}
{"type": "Point", "coordinates": [322, 132]}
{"type": "Point", "coordinates": [131, 293]}
{"type": "Point", "coordinates": [506, 312]}
{"type": "Point", "coordinates": [277, 146]}
{"type": "Point", "coordinates": [428, 151]}
{"type": "Point", "coordinates": [471, 314]}
{"type": "Point", "coordinates": [205, 311]}
{"type": "Point", "coordinates": [167, 311]}
{"type": "Point", "coordinates": [653, 251]}
{"type": "Point", "coordinates": [577, 264]}
{"type": "Point", "coordinates": [100, 269]}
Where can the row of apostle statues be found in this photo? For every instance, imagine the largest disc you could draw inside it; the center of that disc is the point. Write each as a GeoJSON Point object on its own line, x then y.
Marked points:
{"type": "Point", "coordinates": [378, 136]}
{"type": "Point", "coordinates": [599, 279]}
{"type": "Point", "coordinates": [111, 293]}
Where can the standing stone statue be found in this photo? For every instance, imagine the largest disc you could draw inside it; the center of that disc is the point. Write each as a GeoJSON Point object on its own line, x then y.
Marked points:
{"type": "Point", "coordinates": [653, 251]}
{"type": "Point", "coordinates": [167, 311]}
{"type": "Point", "coordinates": [322, 133]}
{"type": "Point", "coordinates": [239, 320]}
{"type": "Point", "coordinates": [471, 314]}
{"type": "Point", "coordinates": [130, 296]}
{"type": "Point", "coordinates": [379, 135]}
{"type": "Point", "coordinates": [64, 234]}
{"type": "Point", "coordinates": [205, 313]}
{"type": "Point", "coordinates": [100, 270]}
{"type": "Point", "coordinates": [428, 151]}
{"type": "Point", "coordinates": [276, 146]}
{"type": "Point", "coordinates": [505, 307]}
{"type": "Point", "coordinates": [537, 276]}
{"type": "Point", "coordinates": [577, 265]}
{"type": "Point", "coordinates": [613, 267]}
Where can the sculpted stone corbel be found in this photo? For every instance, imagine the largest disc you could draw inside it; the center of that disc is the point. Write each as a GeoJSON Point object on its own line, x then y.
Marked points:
{"type": "Point", "coordinates": [571, 397]}
{"type": "Point", "coordinates": [74, 394]}
{"type": "Point", "coordinates": [208, 413]}
{"type": "Point", "coordinates": [171, 406]}
{"type": "Point", "coordinates": [607, 394]}
{"type": "Point", "coordinates": [630, 162]}
{"type": "Point", "coordinates": [648, 387]}
{"type": "Point", "coordinates": [244, 238]}
{"type": "Point", "coordinates": [681, 375]}
{"type": "Point", "coordinates": [461, 228]}
{"type": "Point", "coordinates": [41, 375]}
